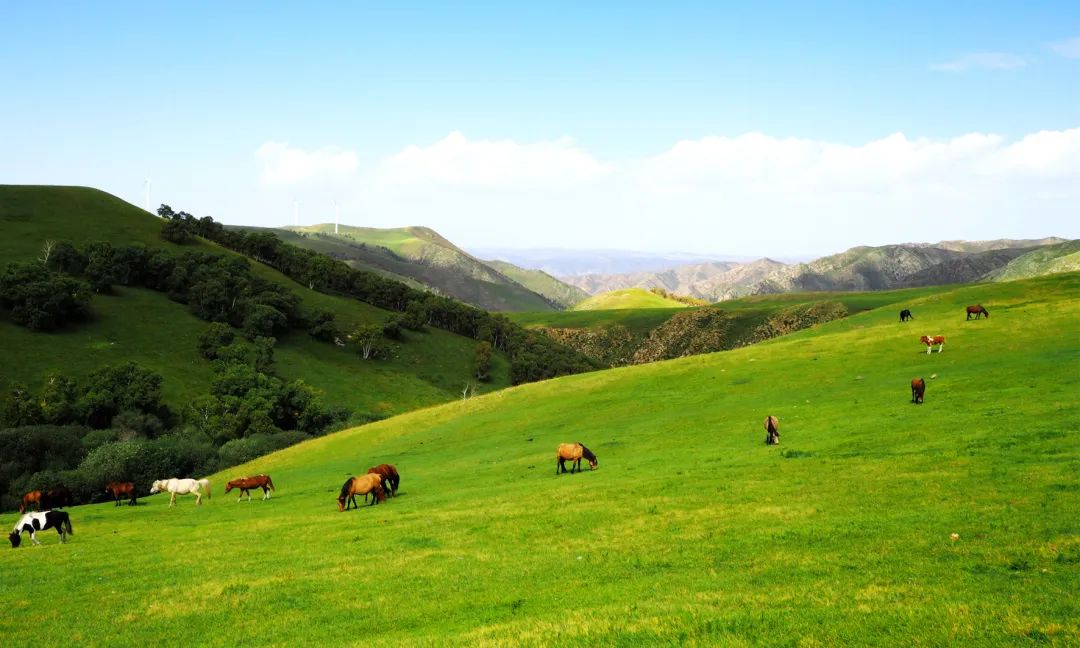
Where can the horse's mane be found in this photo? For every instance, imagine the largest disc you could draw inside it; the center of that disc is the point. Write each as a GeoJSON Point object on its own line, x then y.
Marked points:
{"type": "Point", "coordinates": [345, 488]}
{"type": "Point", "coordinates": [585, 452]}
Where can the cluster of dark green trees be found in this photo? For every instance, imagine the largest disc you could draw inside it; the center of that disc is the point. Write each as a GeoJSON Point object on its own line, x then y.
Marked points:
{"type": "Point", "coordinates": [113, 424]}
{"type": "Point", "coordinates": [533, 356]}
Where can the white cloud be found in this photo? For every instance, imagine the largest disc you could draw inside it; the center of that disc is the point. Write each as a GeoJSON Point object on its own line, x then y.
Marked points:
{"type": "Point", "coordinates": [457, 161]}
{"type": "Point", "coordinates": [982, 61]}
{"type": "Point", "coordinates": [1067, 48]}
{"type": "Point", "coordinates": [281, 164]}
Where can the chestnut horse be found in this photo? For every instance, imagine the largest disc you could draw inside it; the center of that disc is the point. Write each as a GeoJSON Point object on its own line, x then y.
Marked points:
{"type": "Point", "coordinates": [918, 390]}
{"type": "Point", "coordinates": [246, 484]}
{"type": "Point", "coordinates": [978, 311]}
{"type": "Point", "coordinates": [122, 489]}
{"type": "Point", "coordinates": [362, 485]}
{"type": "Point", "coordinates": [390, 478]}
{"type": "Point", "coordinates": [772, 430]}
{"type": "Point", "coordinates": [573, 452]}
{"type": "Point", "coordinates": [931, 340]}
{"type": "Point", "coordinates": [43, 501]}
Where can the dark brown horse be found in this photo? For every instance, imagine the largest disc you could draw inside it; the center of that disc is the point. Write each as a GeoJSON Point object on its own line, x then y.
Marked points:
{"type": "Point", "coordinates": [362, 485]}
{"type": "Point", "coordinates": [772, 430]}
{"type": "Point", "coordinates": [918, 390]}
{"type": "Point", "coordinates": [390, 478]}
{"type": "Point", "coordinates": [905, 315]}
{"type": "Point", "coordinates": [121, 490]}
{"type": "Point", "coordinates": [573, 452]}
{"type": "Point", "coordinates": [978, 311]}
{"type": "Point", "coordinates": [58, 497]}
{"type": "Point", "coordinates": [246, 484]}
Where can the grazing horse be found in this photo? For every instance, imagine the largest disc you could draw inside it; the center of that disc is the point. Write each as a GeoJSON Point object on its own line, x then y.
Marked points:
{"type": "Point", "coordinates": [41, 500]}
{"type": "Point", "coordinates": [978, 311]}
{"type": "Point", "coordinates": [34, 522]}
{"type": "Point", "coordinates": [772, 430]}
{"type": "Point", "coordinates": [246, 484]}
{"type": "Point", "coordinates": [905, 315]}
{"type": "Point", "coordinates": [176, 487]}
{"type": "Point", "coordinates": [918, 390]}
{"type": "Point", "coordinates": [362, 485]}
{"type": "Point", "coordinates": [573, 452]}
{"type": "Point", "coordinates": [120, 490]}
{"type": "Point", "coordinates": [390, 478]}
{"type": "Point", "coordinates": [931, 340]}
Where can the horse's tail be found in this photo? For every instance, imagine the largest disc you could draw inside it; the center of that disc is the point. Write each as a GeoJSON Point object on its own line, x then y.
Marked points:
{"type": "Point", "coordinates": [205, 483]}
{"type": "Point", "coordinates": [270, 483]}
{"type": "Point", "coordinates": [66, 523]}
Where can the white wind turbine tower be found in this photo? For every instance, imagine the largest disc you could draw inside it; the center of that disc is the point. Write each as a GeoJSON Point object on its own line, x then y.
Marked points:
{"type": "Point", "coordinates": [146, 185]}
{"type": "Point", "coordinates": [296, 213]}
{"type": "Point", "coordinates": [336, 216]}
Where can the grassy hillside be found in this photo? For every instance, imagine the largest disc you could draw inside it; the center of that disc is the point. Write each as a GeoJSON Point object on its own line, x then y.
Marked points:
{"type": "Point", "coordinates": [874, 522]}
{"type": "Point", "coordinates": [147, 327]}
{"type": "Point", "coordinates": [542, 283]}
{"type": "Point", "coordinates": [627, 298]}
{"type": "Point", "coordinates": [422, 257]}
{"type": "Point", "coordinates": [1064, 257]}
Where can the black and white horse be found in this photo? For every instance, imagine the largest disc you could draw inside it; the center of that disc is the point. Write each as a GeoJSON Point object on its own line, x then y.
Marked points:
{"type": "Point", "coordinates": [39, 521]}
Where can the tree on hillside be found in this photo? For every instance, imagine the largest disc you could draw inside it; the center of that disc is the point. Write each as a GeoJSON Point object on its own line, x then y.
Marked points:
{"type": "Point", "coordinates": [368, 341]}
{"type": "Point", "coordinates": [482, 361]}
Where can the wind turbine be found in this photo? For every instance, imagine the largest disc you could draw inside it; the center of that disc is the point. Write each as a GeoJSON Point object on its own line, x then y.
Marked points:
{"type": "Point", "coordinates": [336, 216]}
{"type": "Point", "coordinates": [296, 213]}
{"type": "Point", "coordinates": [146, 185]}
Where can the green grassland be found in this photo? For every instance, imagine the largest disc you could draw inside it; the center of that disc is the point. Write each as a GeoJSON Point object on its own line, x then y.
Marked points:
{"type": "Point", "coordinates": [691, 532]}
{"type": "Point", "coordinates": [627, 298]}
{"type": "Point", "coordinates": [146, 327]}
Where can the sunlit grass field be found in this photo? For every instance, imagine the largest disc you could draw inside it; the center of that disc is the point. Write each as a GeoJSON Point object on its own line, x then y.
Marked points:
{"type": "Point", "coordinates": [691, 532]}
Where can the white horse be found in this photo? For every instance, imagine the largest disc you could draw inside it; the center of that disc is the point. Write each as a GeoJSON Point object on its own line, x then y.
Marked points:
{"type": "Point", "coordinates": [182, 487]}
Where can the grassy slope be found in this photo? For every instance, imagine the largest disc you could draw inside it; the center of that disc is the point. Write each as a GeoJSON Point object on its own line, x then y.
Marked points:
{"type": "Point", "coordinates": [750, 311]}
{"type": "Point", "coordinates": [627, 298]}
{"type": "Point", "coordinates": [691, 532]}
{"type": "Point", "coordinates": [425, 257]}
{"type": "Point", "coordinates": [1063, 257]}
{"type": "Point", "coordinates": [429, 368]}
{"type": "Point", "coordinates": [542, 283]}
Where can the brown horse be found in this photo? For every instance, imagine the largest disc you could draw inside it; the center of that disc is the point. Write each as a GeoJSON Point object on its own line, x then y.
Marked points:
{"type": "Point", "coordinates": [390, 478]}
{"type": "Point", "coordinates": [44, 501]}
{"type": "Point", "coordinates": [122, 489]}
{"type": "Point", "coordinates": [772, 430]}
{"type": "Point", "coordinates": [918, 390]}
{"type": "Point", "coordinates": [573, 452]}
{"type": "Point", "coordinates": [978, 311]}
{"type": "Point", "coordinates": [246, 484]}
{"type": "Point", "coordinates": [362, 485]}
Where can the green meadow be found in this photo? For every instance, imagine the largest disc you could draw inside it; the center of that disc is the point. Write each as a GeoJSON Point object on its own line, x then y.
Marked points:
{"type": "Point", "coordinates": [874, 522]}
{"type": "Point", "coordinates": [627, 298]}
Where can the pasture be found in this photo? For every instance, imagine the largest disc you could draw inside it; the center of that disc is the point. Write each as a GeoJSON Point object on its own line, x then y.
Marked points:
{"type": "Point", "coordinates": [875, 521]}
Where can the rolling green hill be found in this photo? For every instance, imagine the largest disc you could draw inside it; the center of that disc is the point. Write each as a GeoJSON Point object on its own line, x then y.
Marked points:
{"type": "Point", "coordinates": [875, 521]}
{"type": "Point", "coordinates": [1063, 257]}
{"type": "Point", "coordinates": [420, 256]}
{"type": "Point", "coordinates": [540, 282]}
{"type": "Point", "coordinates": [147, 327]}
{"type": "Point", "coordinates": [628, 298]}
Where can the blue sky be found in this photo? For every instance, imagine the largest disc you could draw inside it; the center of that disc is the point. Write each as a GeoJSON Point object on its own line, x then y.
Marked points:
{"type": "Point", "coordinates": [560, 125]}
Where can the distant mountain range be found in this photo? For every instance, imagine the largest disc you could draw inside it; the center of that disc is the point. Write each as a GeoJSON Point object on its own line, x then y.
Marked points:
{"type": "Point", "coordinates": [421, 257]}
{"type": "Point", "coordinates": [860, 268]}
